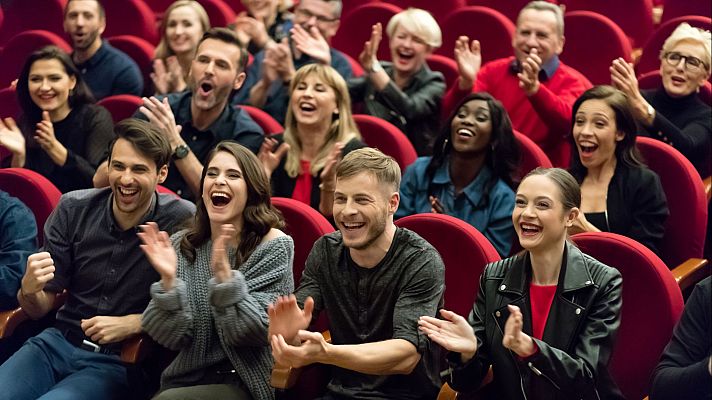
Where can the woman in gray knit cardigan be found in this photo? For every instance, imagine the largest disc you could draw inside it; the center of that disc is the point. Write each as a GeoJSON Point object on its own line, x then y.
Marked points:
{"type": "Point", "coordinates": [217, 279]}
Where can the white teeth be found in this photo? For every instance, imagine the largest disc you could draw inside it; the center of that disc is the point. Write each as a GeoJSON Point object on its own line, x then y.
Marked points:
{"type": "Point", "coordinates": [353, 224]}
{"type": "Point", "coordinates": [307, 107]}
{"type": "Point", "coordinates": [220, 194]}
{"type": "Point", "coordinates": [466, 132]}
{"type": "Point", "coordinates": [529, 226]}
{"type": "Point", "coordinates": [128, 192]}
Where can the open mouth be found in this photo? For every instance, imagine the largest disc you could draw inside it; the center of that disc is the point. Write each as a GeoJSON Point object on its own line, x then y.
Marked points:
{"type": "Point", "coordinates": [529, 229]}
{"type": "Point", "coordinates": [588, 148]}
{"type": "Point", "coordinates": [206, 88]}
{"type": "Point", "coordinates": [677, 79]}
{"type": "Point", "coordinates": [220, 199]}
{"type": "Point", "coordinates": [405, 56]}
{"type": "Point", "coordinates": [465, 133]}
{"type": "Point", "coordinates": [126, 194]}
{"type": "Point", "coordinates": [307, 107]}
{"type": "Point", "coordinates": [352, 226]}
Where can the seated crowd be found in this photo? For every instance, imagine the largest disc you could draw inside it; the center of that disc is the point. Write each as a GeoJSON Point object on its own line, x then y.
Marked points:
{"type": "Point", "coordinates": [207, 270]}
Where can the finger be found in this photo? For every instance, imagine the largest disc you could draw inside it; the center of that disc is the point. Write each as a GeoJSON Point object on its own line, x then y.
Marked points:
{"type": "Point", "coordinates": [304, 335]}
{"type": "Point", "coordinates": [282, 150]}
{"type": "Point", "coordinates": [11, 124]}
{"type": "Point", "coordinates": [475, 47]}
{"type": "Point", "coordinates": [308, 307]}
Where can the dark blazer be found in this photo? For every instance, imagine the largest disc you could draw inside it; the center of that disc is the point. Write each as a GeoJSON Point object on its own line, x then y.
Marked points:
{"type": "Point", "coordinates": [572, 359]}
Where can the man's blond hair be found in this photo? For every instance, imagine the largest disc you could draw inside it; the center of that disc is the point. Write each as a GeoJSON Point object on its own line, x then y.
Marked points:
{"type": "Point", "coordinates": [372, 161]}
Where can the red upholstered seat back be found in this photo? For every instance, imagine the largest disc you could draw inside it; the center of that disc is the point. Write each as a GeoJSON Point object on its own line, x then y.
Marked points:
{"type": "Point", "coordinates": [490, 27]}
{"type": "Point", "coordinates": [464, 250]}
{"type": "Point", "coordinates": [16, 51]}
{"type": "Point", "coordinates": [33, 189]}
{"type": "Point", "coordinates": [20, 16]}
{"type": "Point", "coordinates": [355, 29]}
{"type": "Point", "coordinates": [121, 106]}
{"type": "Point", "coordinates": [652, 304]}
{"type": "Point", "coordinates": [650, 59]}
{"type": "Point", "coordinates": [268, 124]}
{"type": "Point", "coordinates": [131, 17]}
{"type": "Point", "coordinates": [386, 137]}
{"type": "Point", "coordinates": [9, 107]}
{"type": "Point", "coordinates": [532, 156]}
{"type": "Point", "coordinates": [141, 52]}
{"type": "Point", "coordinates": [686, 226]}
{"type": "Point", "coordinates": [634, 17]}
{"type": "Point", "coordinates": [446, 65]}
{"type": "Point", "coordinates": [440, 9]}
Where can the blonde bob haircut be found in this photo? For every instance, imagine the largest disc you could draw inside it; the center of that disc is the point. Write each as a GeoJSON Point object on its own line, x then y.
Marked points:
{"type": "Point", "coordinates": [164, 51]}
{"type": "Point", "coordinates": [342, 128]}
{"type": "Point", "coordinates": [686, 33]}
{"type": "Point", "coordinates": [418, 23]}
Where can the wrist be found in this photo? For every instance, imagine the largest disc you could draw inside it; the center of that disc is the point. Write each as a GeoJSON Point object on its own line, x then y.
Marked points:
{"type": "Point", "coordinates": [327, 187]}
{"type": "Point", "coordinates": [168, 282]}
{"type": "Point", "coordinates": [528, 348]}
{"type": "Point", "coordinates": [465, 83]}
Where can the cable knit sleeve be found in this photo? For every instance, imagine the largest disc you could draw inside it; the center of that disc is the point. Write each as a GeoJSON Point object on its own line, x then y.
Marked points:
{"type": "Point", "coordinates": [239, 305]}
{"type": "Point", "coordinates": [168, 318]}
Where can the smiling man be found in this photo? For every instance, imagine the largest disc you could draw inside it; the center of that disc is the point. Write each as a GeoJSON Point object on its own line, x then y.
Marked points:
{"type": "Point", "coordinates": [91, 250]}
{"type": "Point", "coordinates": [535, 87]}
{"type": "Point", "coordinates": [106, 70]}
{"type": "Point", "coordinates": [198, 119]}
{"type": "Point", "coordinates": [372, 279]}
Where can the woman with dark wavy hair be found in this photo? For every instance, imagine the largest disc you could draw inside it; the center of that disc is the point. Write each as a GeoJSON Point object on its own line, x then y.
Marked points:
{"type": "Point", "coordinates": [61, 133]}
{"type": "Point", "coordinates": [217, 279]}
{"type": "Point", "coordinates": [469, 175]}
{"type": "Point", "coordinates": [619, 193]}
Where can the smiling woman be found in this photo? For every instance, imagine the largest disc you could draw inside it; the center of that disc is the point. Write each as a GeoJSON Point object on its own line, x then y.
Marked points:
{"type": "Point", "coordinates": [61, 133]}
{"type": "Point", "coordinates": [469, 175]}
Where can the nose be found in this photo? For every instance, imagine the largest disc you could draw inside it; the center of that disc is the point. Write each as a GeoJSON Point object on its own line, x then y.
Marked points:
{"type": "Point", "coordinates": [179, 29]}
{"type": "Point", "coordinates": [209, 68]}
{"type": "Point", "coordinates": [308, 91]}
{"type": "Point", "coordinates": [44, 85]}
{"type": "Point", "coordinates": [349, 208]}
{"type": "Point", "coordinates": [126, 177]}
{"type": "Point", "coordinates": [220, 179]}
{"type": "Point", "coordinates": [528, 211]}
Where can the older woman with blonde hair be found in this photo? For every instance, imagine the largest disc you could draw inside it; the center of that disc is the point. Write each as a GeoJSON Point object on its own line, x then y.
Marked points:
{"type": "Point", "coordinates": [183, 24]}
{"type": "Point", "coordinates": [404, 92]}
{"type": "Point", "coordinates": [674, 113]}
{"type": "Point", "coordinates": [319, 130]}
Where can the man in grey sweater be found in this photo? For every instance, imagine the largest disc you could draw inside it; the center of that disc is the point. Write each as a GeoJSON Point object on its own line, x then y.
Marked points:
{"type": "Point", "coordinates": [372, 279]}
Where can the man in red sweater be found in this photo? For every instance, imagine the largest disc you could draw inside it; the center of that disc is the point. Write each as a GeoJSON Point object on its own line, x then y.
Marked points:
{"type": "Point", "coordinates": [536, 88]}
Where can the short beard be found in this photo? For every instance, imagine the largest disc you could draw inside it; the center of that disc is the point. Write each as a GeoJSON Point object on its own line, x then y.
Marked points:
{"type": "Point", "coordinates": [89, 42]}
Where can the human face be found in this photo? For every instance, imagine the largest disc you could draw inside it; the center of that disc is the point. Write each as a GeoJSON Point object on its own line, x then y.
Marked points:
{"type": "Point", "coordinates": [133, 178]}
{"type": "Point", "coordinates": [83, 23]}
{"type": "Point", "coordinates": [263, 10]}
{"type": "Point", "coordinates": [471, 129]}
{"type": "Point", "coordinates": [319, 13]}
{"type": "Point", "coordinates": [537, 30]}
{"type": "Point", "coordinates": [313, 101]}
{"type": "Point", "coordinates": [362, 210]}
{"type": "Point", "coordinates": [49, 86]}
{"type": "Point", "coordinates": [682, 79]}
{"type": "Point", "coordinates": [224, 190]}
{"type": "Point", "coordinates": [183, 30]}
{"type": "Point", "coordinates": [539, 217]}
{"type": "Point", "coordinates": [214, 74]}
{"type": "Point", "coordinates": [408, 51]}
{"type": "Point", "coordinates": [595, 133]}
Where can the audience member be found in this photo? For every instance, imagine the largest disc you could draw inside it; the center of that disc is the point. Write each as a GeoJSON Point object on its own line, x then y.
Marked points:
{"type": "Point", "coordinates": [315, 23]}
{"type": "Point", "coordinates": [404, 92]}
{"type": "Point", "coordinates": [182, 26]}
{"type": "Point", "coordinates": [545, 320]}
{"type": "Point", "coordinates": [373, 280]}
{"type": "Point", "coordinates": [264, 22]}
{"type": "Point", "coordinates": [685, 368]}
{"type": "Point", "coordinates": [469, 175]}
{"type": "Point", "coordinates": [674, 113]}
{"type": "Point", "coordinates": [18, 239]}
{"type": "Point", "coordinates": [536, 88]}
{"type": "Point", "coordinates": [61, 134]}
{"type": "Point", "coordinates": [619, 193]}
{"type": "Point", "coordinates": [106, 70]}
{"type": "Point", "coordinates": [195, 121]}
{"type": "Point", "coordinates": [90, 249]}
{"type": "Point", "coordinates": [217, 279]}
{"type": "Point", "coordinates": [319, 130]}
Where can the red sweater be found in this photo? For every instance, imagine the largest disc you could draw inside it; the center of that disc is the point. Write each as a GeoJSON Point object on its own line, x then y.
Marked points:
{"type": "Point", "coordinates": [544, 117]}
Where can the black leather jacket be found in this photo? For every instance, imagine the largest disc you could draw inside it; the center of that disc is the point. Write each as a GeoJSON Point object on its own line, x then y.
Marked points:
{"type": "Point", "coordinates": [572, 359]}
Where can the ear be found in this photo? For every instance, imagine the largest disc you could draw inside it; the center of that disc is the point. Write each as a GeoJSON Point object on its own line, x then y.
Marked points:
{"type": "Point", "coordinates": [72, 82]}
{"type": "Point", "coordinates": [620, 135]}
{"type": "Point", "coordinates": [239, 80]}
{"type": "Point", "coordinates": [560, 48]}
{"type": "Point", "coordinates": [162, 174]}
{"type": "Point", "coordinates": [572, 216]}
{"type": "Point", "coordinates": [393, 203]}
{"type": "Point", "coordinates": [102, 25]}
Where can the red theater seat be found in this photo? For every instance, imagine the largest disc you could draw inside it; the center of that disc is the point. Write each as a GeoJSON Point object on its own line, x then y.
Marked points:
{"type": "Point", "coordinates": [141, 52]}
{"type": "Point", "coordinates": [131, 17]}
{"type": "Point", "coordinates": [650, 59]}
{"type": "Point", "coordinates": [355, 29]}
{"type": "Point", "coordinates": [20, 47]}
{"type": "Point", "coordinates": [121, 106]}
{"type": "Point", "coordinates": [268, 124]}
{"type": "Point", "coordinates": [490, 27]}
{"type": "Point", "coordinates": [635, 17]}
{"type": "Point", "coordinates": [384, 136]}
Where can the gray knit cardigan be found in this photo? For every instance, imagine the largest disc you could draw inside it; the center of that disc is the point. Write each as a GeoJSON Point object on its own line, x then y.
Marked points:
{"type": "Point", "coordinates": [205, 321]}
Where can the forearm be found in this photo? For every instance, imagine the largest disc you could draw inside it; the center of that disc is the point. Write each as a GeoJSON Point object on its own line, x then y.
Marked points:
{"type": "Point", "coordinates": [258, 93]}
{"type": "Point", "coordinates": [168, 318]}
{"type": "Point", "coordinates": [36, 305]}
{"type": "Point", "coordinates": [326, 201]}
{"type": "Point", "coordinates": [682, 382]}
{"type": "Point", "coordinates": [58, 154]}
{"type": "Point", "coordinates": [388, 357]}
{"type": "Point", "coordinates": [379, 79]}
{"type": "Point", "coordinates": [18, 160]}
{"type": "Point", "coordinates": [190, 169]}
{"type": "Point", "coordinates": [101, 176]}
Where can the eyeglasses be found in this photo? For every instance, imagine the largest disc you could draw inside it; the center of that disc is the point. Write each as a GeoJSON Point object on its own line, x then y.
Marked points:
{"type": "Point", "coordinates": [692, 64]}
{"type": "Point", "coordinates": [307, 15]}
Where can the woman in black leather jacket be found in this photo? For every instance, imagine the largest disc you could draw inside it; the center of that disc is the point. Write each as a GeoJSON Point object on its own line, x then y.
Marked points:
{"type": "Point", "coordinates": [545, 319]}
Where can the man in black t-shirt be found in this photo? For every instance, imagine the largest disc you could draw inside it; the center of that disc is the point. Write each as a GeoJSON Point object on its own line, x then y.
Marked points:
{"type": "Point", "coordinates": [372, 279]}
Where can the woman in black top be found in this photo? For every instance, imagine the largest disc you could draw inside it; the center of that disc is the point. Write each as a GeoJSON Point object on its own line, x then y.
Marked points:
{"type": "Point", "coordinates": [61, 133]}
{"type": "Point", "coordinates": [619, 193]}
{"type": "Point", "coordinates": [674, 113]}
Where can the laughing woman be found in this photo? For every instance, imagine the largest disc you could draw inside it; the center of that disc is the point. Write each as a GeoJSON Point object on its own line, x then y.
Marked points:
{"type": "Point", "coordinates": [61, 134]}
{"type": "Point", "coordinates": [405, 92]}
{"type": "Point", "coordinates": [619, 193]}
{"type": "Point", "coordinates": [217, 279]}
{"type": "Point", "coordinates": [319, 130]}
{"type": "Point", "coordinates": [469, 175]}
{"type": "Point", "coordinates": [545, 319]}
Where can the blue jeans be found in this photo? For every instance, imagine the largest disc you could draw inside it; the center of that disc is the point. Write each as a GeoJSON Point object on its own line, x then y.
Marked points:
{"type": "Point", "coordinates": [48, 367]}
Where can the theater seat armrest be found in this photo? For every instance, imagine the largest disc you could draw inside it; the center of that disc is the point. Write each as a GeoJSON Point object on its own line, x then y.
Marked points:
{"type": "Point", "coordinates": [10, 319]}
{"type": "Point", "coordinates": [136, 348]}
{"type": "Point", "coordinates": [284, 377]}
{"type": "Point", "coordinates": [690, 272]}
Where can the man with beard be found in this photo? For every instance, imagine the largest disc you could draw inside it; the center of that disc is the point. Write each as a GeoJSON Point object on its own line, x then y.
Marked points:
{"type": "Point", "coordinates": [105, 69]}
{"type": "Point", "coordinates": [268, 78]}
{"type": "Point", "coordinates": [196, 120]}
{"type": "Point", "coordinates": [91, 249]}
{"type": "Point", "coordinates": [372, 279]}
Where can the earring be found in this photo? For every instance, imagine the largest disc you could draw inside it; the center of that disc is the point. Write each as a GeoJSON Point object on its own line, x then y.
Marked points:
{"type": "Point", "coordinates": [445, 144]}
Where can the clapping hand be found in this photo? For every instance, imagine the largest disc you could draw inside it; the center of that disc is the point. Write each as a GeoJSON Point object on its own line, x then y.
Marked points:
{"type": "Point", "coordinates": [469, 60]}
{"type": "Point", "coordinates": [311, 43]}
{"type": "Point", "coordinates": [514, 338]}
{"type": "Point", "coordinates": [159, 252]}
{"type": "Point", "coordinates": [369, 53]}
{"type": "Point", "coordinates": [529, 75]}
{"type": "Point", "coordinates": [453, 333]}
{"type": "Point", "coordinates": [287, 319]}
{"type": "Point", "coordinates": [269, 157]}
{"type": "Point", "coordinates": [12, 139]}
{"type": "Point", "coordinates": [219, 261]}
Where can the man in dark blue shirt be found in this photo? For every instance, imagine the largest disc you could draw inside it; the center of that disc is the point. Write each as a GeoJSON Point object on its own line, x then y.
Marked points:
{"type": "Point", "coordinates": [18, 239]}
{"type": "Point", "coordinates": [315, 23]}
{"type": "Point", "coordinates": [105, 69]}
